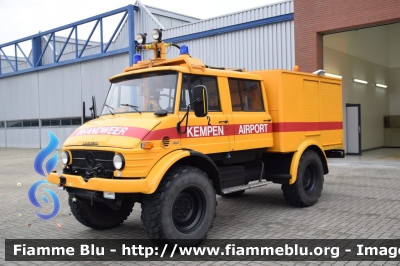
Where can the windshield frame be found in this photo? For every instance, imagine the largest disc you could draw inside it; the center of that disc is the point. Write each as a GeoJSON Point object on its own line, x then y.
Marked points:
{"type": "Point", "coordinates": [132, 77]}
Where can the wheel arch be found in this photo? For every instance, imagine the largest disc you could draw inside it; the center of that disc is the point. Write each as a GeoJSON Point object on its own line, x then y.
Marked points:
{"type": "Point", "coordinates": [161, 167]}
{"type": "Point", "coordinates": [183, 157]}
{"type": "Point", "coordinates": [305, 146]}
{"type": "Point", "coordinates": [204, 163]}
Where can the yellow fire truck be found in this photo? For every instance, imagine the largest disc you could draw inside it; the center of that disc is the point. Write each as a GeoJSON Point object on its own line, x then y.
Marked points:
{"type": "Point", "coordinates": [174, 133]}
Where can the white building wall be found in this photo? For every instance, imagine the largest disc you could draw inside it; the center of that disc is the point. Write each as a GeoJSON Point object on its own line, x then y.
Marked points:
{"type": "Point", "coordinates": [23, 137]}
{"type": "Point", "coordinates": [266, 47]}
{"type": "Point", "coordinates": [249, 15]}
{"type": "Point", "coordinates": [19, 97]}
{"type": "Point", "coordinates": [58, 92]}
{"type": "Point", "coordinates": [3, 138]}
{"type": "Point", "coordinates": [54, 93]}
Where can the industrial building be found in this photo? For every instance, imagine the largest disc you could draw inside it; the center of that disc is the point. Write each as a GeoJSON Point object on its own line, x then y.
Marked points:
{"type": "Point", "coordinates": [358, 40]}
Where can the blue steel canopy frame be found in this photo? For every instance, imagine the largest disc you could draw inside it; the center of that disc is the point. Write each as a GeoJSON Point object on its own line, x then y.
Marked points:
{"type": "Point", "coordinates": [38, 52]}
{"type": "Point", "coordinates": [233, 28]}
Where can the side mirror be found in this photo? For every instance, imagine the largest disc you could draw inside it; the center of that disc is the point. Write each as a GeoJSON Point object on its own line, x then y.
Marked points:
{"type": "Point", "coordinates": [200, 104]}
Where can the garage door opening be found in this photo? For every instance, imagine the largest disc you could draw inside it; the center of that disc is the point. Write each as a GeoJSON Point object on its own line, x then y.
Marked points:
{"type": "Point", "coordinates": [369, 62]}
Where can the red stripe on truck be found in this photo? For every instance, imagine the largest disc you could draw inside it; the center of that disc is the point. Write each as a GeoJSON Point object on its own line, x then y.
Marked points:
{"type": "Point", "coordinates": [208, 131]}
{"type": "Point", "coordinates": [134, 132]}
{"type": "Point", "coordinates": [305, 126]}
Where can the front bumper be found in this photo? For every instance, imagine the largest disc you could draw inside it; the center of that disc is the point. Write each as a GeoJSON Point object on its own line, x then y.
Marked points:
{"type": "Point", "coordinates": [101, 184]}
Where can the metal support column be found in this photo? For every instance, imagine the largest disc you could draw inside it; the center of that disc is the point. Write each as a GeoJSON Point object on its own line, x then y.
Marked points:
{"type": "Point", "coordinates": [131, 33]}
{"type": "Point", "coordinates": [36, 50]}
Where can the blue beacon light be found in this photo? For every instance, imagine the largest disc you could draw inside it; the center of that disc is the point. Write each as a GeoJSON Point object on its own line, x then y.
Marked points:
{"type": "Point", "coordinates": [184, 49]}
{"type": "Point", "coordinates": [137, 58]}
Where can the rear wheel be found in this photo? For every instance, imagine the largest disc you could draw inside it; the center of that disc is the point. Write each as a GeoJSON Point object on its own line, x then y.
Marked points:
{"type": "Point", "coordinates": [182, 208]}
{"type": "Point", "coordinates": [99, 215]}
{"type": "Point", "coordinates": [309, 183]}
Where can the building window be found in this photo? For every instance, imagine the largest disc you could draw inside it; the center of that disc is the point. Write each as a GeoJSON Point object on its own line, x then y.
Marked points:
{"type": "Point", "coordinates": [14, 123]}
{"type": "Point", "coordinates": [246, 95]}
{"type": "Point", "coordinates": [30, 123]}
{"type": "Point", "coordinates": [23, 123]}
{"type": "Point", "coordinates": [72, 121]}
{"type": "Point", "coordinates": [65, 122]}
{"type": "Point", "coordinates": [69, 121]}
{"type": "Point", "coordinates": [55, 122]}
{"type": "Point", "coordinates": [45, 123]}
{"type": "Point", "coordinates": [76, 121]}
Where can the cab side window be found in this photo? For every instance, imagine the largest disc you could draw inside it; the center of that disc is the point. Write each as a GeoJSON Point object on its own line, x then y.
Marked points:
{"type": "Point", "coordinates": [191, 81]}
{"type": "Point", "coordinates": [246, 95]}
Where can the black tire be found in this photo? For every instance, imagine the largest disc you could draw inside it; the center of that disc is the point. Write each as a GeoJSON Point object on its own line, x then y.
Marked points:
{"type": "Point", "coordinates": [307, 189]}
{"type": "Point", "coordinates": [100, 216]}
{"type": "Point", "coordinates": [233, 194]}
{"type": "Point", "coordinates": [182, 208]}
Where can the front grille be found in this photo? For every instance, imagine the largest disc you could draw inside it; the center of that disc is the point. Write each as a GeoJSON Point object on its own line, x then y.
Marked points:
{"type": "Point", "coordinates": [101, 155]}
{"type": "Point", "coordinates": [88, 163]}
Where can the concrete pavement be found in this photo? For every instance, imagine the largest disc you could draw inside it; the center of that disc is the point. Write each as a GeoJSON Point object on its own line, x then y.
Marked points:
{"type": "Point", "coordinates": [360, 200]}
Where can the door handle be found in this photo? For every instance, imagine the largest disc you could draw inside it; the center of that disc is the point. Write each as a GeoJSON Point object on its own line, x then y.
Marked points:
{"type": "Point", "coordinates": [223, 121]}
{"type": "Point", "coordinates": [267, 120]}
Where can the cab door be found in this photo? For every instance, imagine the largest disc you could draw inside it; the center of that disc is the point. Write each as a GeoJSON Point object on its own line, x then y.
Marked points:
{"type": "Point", "coordinates": [209, 134]}
{"type": "Point", "coordinates": [252, 123]}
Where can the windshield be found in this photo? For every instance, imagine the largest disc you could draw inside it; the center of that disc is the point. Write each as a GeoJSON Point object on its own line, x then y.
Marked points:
{"type": "Point", "coordinates": [145, 92]}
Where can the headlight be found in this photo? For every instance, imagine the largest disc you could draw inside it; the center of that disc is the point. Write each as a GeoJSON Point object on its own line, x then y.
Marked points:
{"type": "Point", "coordinates": [141, 38]}
{"type": "Point", "coordinates": [118, 161]}
{"type": "Point", "coordinates": [157, 35]}
{"type": "Point", "coordinates": [65, 157]}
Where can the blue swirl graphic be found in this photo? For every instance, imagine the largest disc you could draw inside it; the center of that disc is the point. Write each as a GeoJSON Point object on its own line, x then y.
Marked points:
{"type": "Point", "coordinates": [50, 164]}
{"type": "Point", "coordinates": [44, 198]}
{"type": "Point", "coordinates": [41, 156]}
{"type": "Point", "coordinates": [35, 202]}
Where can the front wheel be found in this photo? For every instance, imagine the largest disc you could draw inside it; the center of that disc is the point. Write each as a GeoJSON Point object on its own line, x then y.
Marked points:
{"type": "Point", "coordinates": [182, 208]}
{"type": "Point", "coordinates": [307, 189]}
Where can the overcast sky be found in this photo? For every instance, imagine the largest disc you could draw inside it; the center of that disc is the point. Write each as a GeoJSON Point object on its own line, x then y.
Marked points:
{"type": "Point", "coordinates": [22, 18]}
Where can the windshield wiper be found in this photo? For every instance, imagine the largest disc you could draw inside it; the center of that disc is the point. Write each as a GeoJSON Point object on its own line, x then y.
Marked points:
{"type": "Point", "coordinates": [133, 106]}
{"type": "Point", "coordinates": [110, 108]}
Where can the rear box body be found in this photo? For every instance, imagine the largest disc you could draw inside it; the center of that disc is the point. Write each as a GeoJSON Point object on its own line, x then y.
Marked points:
{"type": "Point", "coordinates": [303, 106]}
